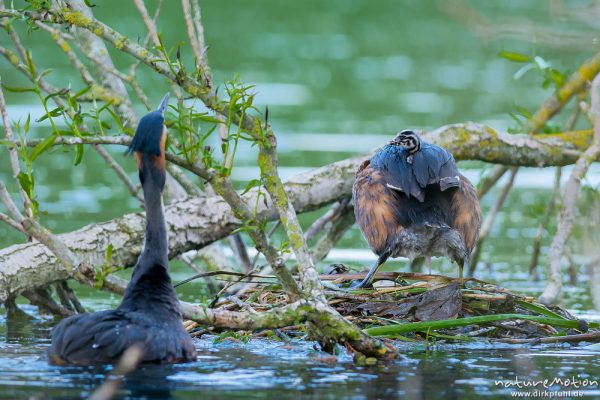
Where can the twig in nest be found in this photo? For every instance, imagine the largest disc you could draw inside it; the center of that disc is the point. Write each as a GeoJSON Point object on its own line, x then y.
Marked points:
{"type": "Point", "coordinates": [481, 331]}
{"type": "Point", "coordinates": [215, 273]}
{"type": "Point", "coordinates": [199, 332]}
{"type": "Point", "coordinates": [582, 337]}
{"type": "Point", "coordinates": [244, 306]}
{"type": "Point", "coordinates": [411, 276]}
{"type": "Point", "coordinates": [189, 325]}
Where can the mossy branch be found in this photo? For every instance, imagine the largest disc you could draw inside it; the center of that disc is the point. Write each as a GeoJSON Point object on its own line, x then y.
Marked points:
{"type": "Point", "coordinates": [267, 161]}
{"type": "Point", "coordinates": [553, 104]}
{"type": "Point", "coordinates": [222, 186]}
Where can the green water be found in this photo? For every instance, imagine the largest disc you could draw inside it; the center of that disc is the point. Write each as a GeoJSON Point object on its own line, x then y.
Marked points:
{"type": "Point", "coordinates": [339, 77]}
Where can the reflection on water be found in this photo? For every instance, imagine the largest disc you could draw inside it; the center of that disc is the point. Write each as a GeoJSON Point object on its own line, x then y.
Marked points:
{"type": "Point", "coordinates": [264, 368]}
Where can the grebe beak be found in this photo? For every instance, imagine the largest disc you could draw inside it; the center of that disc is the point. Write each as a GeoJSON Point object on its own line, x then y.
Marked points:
{"type": "Point", "coordinates": [163, 104]}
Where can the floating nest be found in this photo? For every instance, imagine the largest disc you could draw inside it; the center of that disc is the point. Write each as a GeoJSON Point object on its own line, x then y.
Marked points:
{"type": "Point", "coordinates": [411, 306]}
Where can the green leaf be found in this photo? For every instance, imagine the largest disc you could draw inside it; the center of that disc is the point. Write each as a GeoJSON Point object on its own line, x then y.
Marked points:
{"type": "Point", "coordinates": [117, 119]}
{"type": "Point", "coordinates": [32, 71]}
{"type": "Point", "coordinates": [556, 77]}
{"type": "Point", "coordinates": [42, 147]}
{"type": "Point", "coordinates": [51, 95]}
{"type": "Point", "coordinates": [513, 56]}
{"type": "Point", "coordinates": [57, 112]}
{"type": "Point", "coordinates": [523, 111]}
{"type": "Point", "coordinates": [78, 153]}
{"type": "Point", "coordinates": [8, 143]}
{"type": "Point", "coordinates": [206, 118]}
{"type": "Point", "coordinates": [44, 73]}
{"type": "Point", "coordinates": [518, 120]}
{"type": "Point", "coordinates": [26, 127]}
{"type": "Point", "coordinates": [104, 107]}
{"type": "Point", "coordinates": [453, 323]}
{"type": "Point", "coordinates": [26, 182]}
{"type": "Point", "coordinates": [251, 184]}
{"type": "Point", "coordinates": [207, 134]}
{"type": "Point", "coordinates": [18, 90]}
{"type": "Point", "coordinates": [109, 251]}
{"type": "Point", "coordinates": [81, 92]}
{"type": "Point", "coordinates": [538, 308]}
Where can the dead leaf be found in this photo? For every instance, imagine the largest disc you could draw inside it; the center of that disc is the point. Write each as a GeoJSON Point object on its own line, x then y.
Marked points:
{"type": "Point", "coordinates": [440, 303]}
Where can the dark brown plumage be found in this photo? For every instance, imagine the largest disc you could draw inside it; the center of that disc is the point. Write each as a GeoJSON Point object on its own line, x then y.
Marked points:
{"type": "Point", "coordinates": [411, 201]}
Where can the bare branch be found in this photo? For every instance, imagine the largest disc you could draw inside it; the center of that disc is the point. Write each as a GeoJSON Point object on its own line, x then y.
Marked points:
{"type": "Point", "coordinates": [133, 189]}
{"type": "Point", "coordinates": [57, 36]}
{"type": "Point", "coordinates": [14, 157]}
{"type": "Point", "coordinates": [550, 209]}
{"type": "Point", "coordinates": [239, 248]}
{"type": "Point", "coordinates": [42, 298]}
{"type": "Point", "coordinates": [34, 229]}
{"type": "Point", "coordinates": [194, 41]}
{"type": "Point", "coordinates": [8, 220]}
{"type": "Point", "coordinates": [486, 227]}
{"type": "Point", "coordinates": [150, 24]}
{"type": "Point", "coordinates": [339, 225]}
{"type": "Point", "coordinates": [332, 214]}
{"type": "Point", "coordinates": [9, 204]}
{"type": "Point", "coordinates": [134, 66]}
{"type": "Point", "coordinates": [203, 61]}
{"type": "Point", "coordinates": [515, 28]}
{"type": "Point", "coordinates": [490, 179]}
{"type": "Point", "coordinates": [13, 59]}
{"type": "Point", "coordinates": [570, 196]}
{"type": "Point", "coordinates": [574, 85]}
{"type": "Point", "coordinates": [184, 181]}
{"type": "Point", "coordinates": [13, 35]}
{"type": "Point", "coordinates": [95, 50]}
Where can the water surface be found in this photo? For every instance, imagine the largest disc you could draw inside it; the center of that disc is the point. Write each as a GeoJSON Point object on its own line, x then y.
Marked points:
{"type": "Point", "coordinates": [264, 368]}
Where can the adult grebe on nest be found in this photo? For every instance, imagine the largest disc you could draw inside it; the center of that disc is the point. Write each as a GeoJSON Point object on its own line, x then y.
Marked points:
{"type": "Point", "coordinates": [411, 201]}
{"type": "Point", "coordinates": [149, 314]}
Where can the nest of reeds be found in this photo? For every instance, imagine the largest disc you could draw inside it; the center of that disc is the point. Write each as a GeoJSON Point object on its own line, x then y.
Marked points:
{"type": "Point", "coordinates": [411, 306]}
